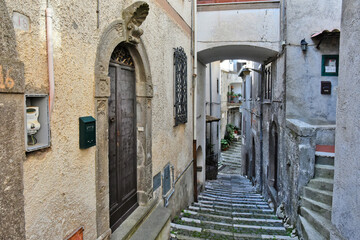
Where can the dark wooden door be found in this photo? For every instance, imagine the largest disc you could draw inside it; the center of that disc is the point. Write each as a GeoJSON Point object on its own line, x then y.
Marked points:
{"type": "Point", "coordinates": [122, 144]}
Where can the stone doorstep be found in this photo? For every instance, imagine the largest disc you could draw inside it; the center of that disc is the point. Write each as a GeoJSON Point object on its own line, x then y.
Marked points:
{"type": "Point", "coordinates": [133, 222]}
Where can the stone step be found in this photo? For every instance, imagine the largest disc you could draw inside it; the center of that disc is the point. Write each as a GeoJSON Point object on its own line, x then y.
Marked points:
{"type": "Point", "coordinates": [326, 184]}
{"type": "Point", "coordinates": [231, 203]}
{"type": "Point", "coordinates": [318, 195]}
{"type": "Point", "coordinates": [199, 226]}
{"type": "Point", "coordinates": [231, 199]}
{"type": "Point", "coordinates": [233, 207]}
{"type": "Point", "coordinates": [320, 223]}
{"type": "Point", "coordinates": [234, 215]}
{"type": "Point", "coordinates": [324, 171]}
{"type": "Point", "coordinates": [217, 234]}
{"type": "Point", "coordinates": [234, 211]}
{"type": "Point", "coordinates": [228, 195]}
{"type": "Point", "coordinates": [308, 231]}
{"type": "Point", "coordinates": [319, 207]}
{"type": "Point", "coordinates": [233, 220]}
{"type": "Point", "coordinates": [231, 161]}
{"type": "Point", "coordinates": [324, 160]}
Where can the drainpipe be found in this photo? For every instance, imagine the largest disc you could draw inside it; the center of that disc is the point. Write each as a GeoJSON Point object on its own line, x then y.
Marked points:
{"type": "Point", "coordinates": [50, 53]}
{"type": "Point", "coordinates": [194, 53]}
{"type": "Point", "coordinates": [210, 101]}
{"type": "Point", "coordinates": [261, 129]}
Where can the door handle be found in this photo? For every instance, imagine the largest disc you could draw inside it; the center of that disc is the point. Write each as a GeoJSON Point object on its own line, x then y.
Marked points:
{"type": "Point", "coordinates": [112, 119]}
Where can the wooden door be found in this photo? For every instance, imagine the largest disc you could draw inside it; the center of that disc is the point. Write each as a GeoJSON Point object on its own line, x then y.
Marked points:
{"type": "Point", "coordinates": [122, 144]}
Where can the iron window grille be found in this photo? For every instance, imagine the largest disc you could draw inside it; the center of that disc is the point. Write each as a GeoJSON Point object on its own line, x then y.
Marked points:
{"type": "Point", "coordinates": [180, 72]}
{"type": "Point", "coordinates": [268, 82]}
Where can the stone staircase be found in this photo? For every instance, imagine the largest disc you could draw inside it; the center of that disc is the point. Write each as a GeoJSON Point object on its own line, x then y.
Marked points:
{"type": "Point", "coordinates": [229, 208]}
{"type": "Point", "coordinates": [316, 200]}
{"type": "Point", "coordinates": [230, 160]}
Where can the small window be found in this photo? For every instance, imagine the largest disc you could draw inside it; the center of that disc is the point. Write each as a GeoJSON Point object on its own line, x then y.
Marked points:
{"type": "Point", "coordinates": [180, 75]}
{"type": "Point", "coordinates": [217, 85]}
{"type": "Point", "coordinates": [268, 82]}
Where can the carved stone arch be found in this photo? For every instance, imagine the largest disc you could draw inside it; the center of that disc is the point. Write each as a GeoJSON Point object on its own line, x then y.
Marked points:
{"type": "Point", "coordinates": [113, 35]}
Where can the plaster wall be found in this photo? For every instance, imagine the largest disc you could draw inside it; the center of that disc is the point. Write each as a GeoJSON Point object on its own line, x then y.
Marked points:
{"type": "Point", "coordinates": [217, 29]}
{"type": "Point", "coordinates": [227, 78]}
{"type": "Point", "coordinates": [213, 102]}
{"type": "Point", "coordinates": [200, 121]}
{"type": "Point", "coordinates": [59, 182]}
{"type": "Point", "coordinates": [303, 69]}
{"type": "Point", "coordinates": [345, 212]}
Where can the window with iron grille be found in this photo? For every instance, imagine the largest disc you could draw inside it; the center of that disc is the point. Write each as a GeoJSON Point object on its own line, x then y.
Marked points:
{"type": "Point", "coordinates": [268, 82]}
{"type": "Point", "coordinates": [180, 72]}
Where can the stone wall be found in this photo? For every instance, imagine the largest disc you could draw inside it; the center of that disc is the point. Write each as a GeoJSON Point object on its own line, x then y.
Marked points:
{"type": "Point", "coordinates": [345, 213]}
{"type": "Point", "coordinates": [303, 69]}
{"type": "Point", "coordinates": [61, 182]}
{"type": "Point", "coordinates": [12, 144]}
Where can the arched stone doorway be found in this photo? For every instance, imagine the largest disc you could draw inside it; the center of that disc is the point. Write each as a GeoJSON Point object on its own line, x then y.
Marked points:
{"type": "Point", "coordinates": [122, 136]}
{"type": "Point", "coordinates": [118, 32]}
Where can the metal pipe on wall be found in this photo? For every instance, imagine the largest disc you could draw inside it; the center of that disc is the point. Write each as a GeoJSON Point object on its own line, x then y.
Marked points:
{"type": "Point", "coordinates": [50, 54]}
{"type": "Point", "coordinates": [194, 76]}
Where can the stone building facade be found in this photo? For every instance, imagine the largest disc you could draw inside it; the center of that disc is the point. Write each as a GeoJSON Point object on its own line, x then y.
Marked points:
{"type": "Point", "coordinates": [61, 188]}
{"type": "Point", "coordinates": [288, 115]}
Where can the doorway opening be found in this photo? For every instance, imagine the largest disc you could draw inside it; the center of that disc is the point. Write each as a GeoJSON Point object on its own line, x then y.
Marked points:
{"type": "Point", "coordinates": [122, 136]}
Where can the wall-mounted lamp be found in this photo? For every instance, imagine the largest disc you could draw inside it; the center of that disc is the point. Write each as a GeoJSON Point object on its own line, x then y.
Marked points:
{"type": "Point", "coordinates": [304, 45]}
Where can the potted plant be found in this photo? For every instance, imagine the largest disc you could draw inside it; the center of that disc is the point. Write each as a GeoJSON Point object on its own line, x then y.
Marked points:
{"type": "Point", "coordinates": [224, 144]}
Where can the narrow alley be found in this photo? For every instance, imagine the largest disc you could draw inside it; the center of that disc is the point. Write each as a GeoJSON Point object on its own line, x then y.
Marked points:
{"type": "Point", "coordinates": [173, 119]}
{"type": "Point", "coordinates": [229, 208]}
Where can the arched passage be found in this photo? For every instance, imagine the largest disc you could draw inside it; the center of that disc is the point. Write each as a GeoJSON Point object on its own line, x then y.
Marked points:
{"type": "Point", "coordinates": [223, 52]}
{"type": "Point", "coordinates": [113, 35]}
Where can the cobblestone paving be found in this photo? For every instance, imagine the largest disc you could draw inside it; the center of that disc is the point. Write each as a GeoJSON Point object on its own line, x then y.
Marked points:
{"type": "Point", "coordinates": [229, 208]}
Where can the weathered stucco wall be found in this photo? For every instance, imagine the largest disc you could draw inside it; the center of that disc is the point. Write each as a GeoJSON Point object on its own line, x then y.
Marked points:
{"type": "Point", "coordinates": [226, 79]}
{"type": "Point", "coordinates": [303, 69]}
{"type": "Point", "coordinates": [345, 213]}
{"type": "Point", "coordinates": [200, 121]}
{"type": "Point", "coordinates": [217, 29]}
{"type": "Point", "coordinates": [59, 182]}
